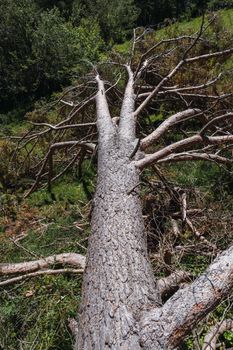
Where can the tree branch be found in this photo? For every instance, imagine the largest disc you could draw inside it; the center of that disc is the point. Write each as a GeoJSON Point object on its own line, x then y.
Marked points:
{"type": "Point", "coordinates": [211, 337]}
{"type": "Point", "coordinates": [186, 156]}
{"type": "Point", "coordinates": [164, 127]}
{"type": "Point", "coordinates": [104, 122]}
{"type": "Point", "coordinates": [183, 144]}
{"type": "Point", "coordinates": [38, 273]}
{"type": "Point", "coordinates": [167, 284]}
{"type": "Point", "coordinates": [31, 266]}
{"type": "Point", "coordinates": [156, 90]}
{"type": "Point", "coordinates": [127, 120]}
{"type": "Point", "coordinates": [48, 158]}
{"type": "Point", "coordinates": [188, 306]}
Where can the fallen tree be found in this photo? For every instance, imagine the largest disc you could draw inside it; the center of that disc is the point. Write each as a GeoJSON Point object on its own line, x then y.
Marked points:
{"type": "Point", "coordinates": [122, 306]}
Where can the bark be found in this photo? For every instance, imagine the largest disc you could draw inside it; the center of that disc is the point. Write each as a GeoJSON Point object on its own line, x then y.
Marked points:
{"type": "Point", "coordinates": [165, 328]}
{"type": "Point", "coordinates": [118, 281]}
{"type": "Point", "coordinates": [31, 266]}
{"type": "Point", "coordinates": [121, 307]}
{"type": "Point", "coordinates": [164, 127]}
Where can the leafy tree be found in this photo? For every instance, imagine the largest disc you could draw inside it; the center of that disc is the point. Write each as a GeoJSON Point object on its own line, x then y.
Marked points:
{"type": "Point", "coordinates": [216, 4]}
{"type": "Point", "coordinates": [40, 51]}
{"type": "Point", "coordinates": [17, 23]}
{"type": "Point", "coordinates": [116, 19]}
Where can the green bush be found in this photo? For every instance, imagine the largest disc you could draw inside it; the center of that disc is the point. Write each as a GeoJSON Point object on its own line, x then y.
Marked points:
{"type": "Point", "coordinates": [39, 51]}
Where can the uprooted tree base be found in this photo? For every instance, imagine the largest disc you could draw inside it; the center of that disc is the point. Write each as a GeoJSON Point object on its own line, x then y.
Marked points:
{"type": "Point", "coordinates": [122, 305]}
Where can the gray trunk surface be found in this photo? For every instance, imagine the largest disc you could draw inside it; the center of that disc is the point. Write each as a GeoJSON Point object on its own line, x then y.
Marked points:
{"type": "Point", "coordinates": [121, 306]}
{"type": "Point", "coordinates": [119, 281]}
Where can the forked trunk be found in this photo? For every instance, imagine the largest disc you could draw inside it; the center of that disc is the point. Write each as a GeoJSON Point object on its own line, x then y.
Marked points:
{"type": "Point", "coordinates": [118, 282]}
{"type": "Point", "coordinates": [121, 306]}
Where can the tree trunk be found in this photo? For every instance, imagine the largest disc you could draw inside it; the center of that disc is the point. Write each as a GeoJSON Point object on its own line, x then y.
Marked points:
{"type": "Point", "coordinates": [118, 281]}
{"type": "Point", "coordinates": [121, 305]}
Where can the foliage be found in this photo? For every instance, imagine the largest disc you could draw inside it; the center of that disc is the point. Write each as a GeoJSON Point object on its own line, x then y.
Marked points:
{"type": "Point", "coordinates": [116, 19]}
{"type": "Point", "coordinates": [40, 51]}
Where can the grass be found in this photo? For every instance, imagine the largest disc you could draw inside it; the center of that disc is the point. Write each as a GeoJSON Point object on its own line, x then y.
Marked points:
{"type": "Point", "coordinates": [184, 27]}
{"type": "Point", "coordinates": [34, 314]}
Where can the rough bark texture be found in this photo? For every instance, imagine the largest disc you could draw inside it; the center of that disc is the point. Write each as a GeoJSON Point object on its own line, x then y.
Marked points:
{"type": "Point", "coordinates": [30, 266]}
{"type": "Point", "coordinates": [118, 282]}
{"type": "Point", "coordinates": [121, 307]}
{"type": "Point", "coordinates": [164, 328]}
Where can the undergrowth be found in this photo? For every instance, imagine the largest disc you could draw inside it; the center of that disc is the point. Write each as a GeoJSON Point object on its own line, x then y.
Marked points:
{"type": "Point", "coordinates": [34, 313]}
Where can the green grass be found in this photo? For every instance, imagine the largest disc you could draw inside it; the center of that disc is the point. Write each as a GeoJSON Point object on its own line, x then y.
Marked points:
{"type": "Point", "coordinates": [184, 27]}
{"type": "Point", "coordinates": [192, 26]}
{"type": "Point", "coordinates": [34, 313]}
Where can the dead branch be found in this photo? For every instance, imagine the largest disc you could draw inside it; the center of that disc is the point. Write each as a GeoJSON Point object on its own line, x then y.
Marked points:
{"type": "Point", "coordinates": [190, 305]}
{"type": "Point", "coordinates": [183, 144]}
{"type": "Point", "coordinates": [48, 159]}
{"type": "Point", "coordinates": [183, 197]}
{"type": "Point", "coordinates": [190, 212]}
{"type": "Point", "coordinates": [172, 282]}
{"type": "Point", "coordinates": [69, 126]}
{"type": "Point", "coordinates": [176, 89]}
{"type": "Point", "coordinates": [210, 340]}
{"type": "Point", "coordinates": [156, 90]}
{"type": "Point", "coordinates": [39, 273]}
{"type": "Point", "coordinates": [31, 266]}
{"type": "Point", "coordinates": [214, 120]}
{"type": "Point", "coordinates": [164, 41]}
{"type": "Point", "coordinates": [198, 235]}
{"type": "Point", "coordinates": [166, 125]}
{"type": "Point", "coordinates": [186, 156]}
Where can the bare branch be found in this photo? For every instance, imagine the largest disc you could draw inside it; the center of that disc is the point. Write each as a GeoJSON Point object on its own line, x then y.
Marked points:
{"type": "Point", "coordinates": [216, 119]}
{"type": "Point", "coordinates": [175, 89]}
{"type": "Point", "coordinates": [209, 55]}
{"type": "Point", "coordinates": [39, 273]}
{"type": "Point", "coordinates": [69, 165]}
{"type": "Point", "coordinates": [127, 120]}
{"type": "Point", "coordinates": [198, 235]}
{"type": "Point", "coordinates": [156, 90]}
{"type": "Point", "coordinates": [188, 306]}
{"type": "Point", "coordinates": [172, 282]}
{"type": "Point", "coordinates": [165, 126]}
{"type": "Point", "coordinates": [30, 266]}
{"type": "Point", "coordinates": [164, 41]}
{"type": "Point", "coordinates": [190, 141]}
{"type": "Point", "coordinates": [186, 156]}
{"type": "Point", "coordinates": [184, 206]}
{"type": "Point", "coordinates": [69, 126]}
{"type": "Point", "coordinates": [104, 122]}
{"type": "Point", "coordinates": [196, 39]}
{"type": "Point", "coordinates": [48, 158]}
{"type": "Point", "coordinates": [210, 340]}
